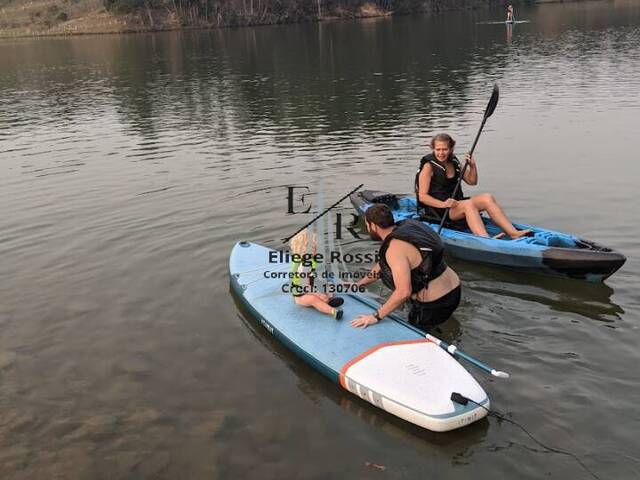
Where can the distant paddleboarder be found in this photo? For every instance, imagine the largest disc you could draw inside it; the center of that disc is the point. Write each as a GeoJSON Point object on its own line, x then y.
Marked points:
{"type": "Point", "coordinates": [510, 17]}
{"type": "Point", "coordinates": [303, 271]}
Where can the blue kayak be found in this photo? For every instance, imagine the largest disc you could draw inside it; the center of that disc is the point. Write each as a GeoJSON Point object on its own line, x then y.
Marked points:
{"type": "Point", "coordinates": [546, 251]}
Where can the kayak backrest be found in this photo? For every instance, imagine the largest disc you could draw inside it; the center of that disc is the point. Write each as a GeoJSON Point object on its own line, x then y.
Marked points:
{"type": "Point", "coordinates": [388, 199]}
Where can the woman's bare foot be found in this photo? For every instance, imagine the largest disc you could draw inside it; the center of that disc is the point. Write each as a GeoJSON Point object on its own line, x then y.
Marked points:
{"type": "Point", "coordinates": [521, 233]}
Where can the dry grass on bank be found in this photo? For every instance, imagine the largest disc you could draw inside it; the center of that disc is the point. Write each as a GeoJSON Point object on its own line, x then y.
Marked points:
{"type": "Point", "coordinates": [64, 17]}
{"type": "Point", "coordinates": [371, 10]}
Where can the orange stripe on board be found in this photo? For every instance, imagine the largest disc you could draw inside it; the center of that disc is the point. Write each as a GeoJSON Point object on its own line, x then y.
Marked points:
{"type": "Point", "coordinates": [354, 360]}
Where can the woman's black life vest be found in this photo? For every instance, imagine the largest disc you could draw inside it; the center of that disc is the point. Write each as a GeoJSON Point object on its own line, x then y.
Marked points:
{"type": "Point", "coordinates": [428, 243]}
{"type": "Point", "coordinates": [440, 187]}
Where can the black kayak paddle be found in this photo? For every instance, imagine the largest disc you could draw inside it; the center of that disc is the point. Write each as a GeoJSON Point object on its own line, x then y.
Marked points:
{"type": "Point", "coordinates": [491, 106]}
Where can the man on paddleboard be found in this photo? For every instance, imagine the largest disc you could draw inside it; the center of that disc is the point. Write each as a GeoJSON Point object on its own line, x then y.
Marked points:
{"type": "Point", "coordinates": [412, 265]}
{"type": "Point", "coordinates": [435, 184]}
{"type": "Point", "coordinates": [510, 13]}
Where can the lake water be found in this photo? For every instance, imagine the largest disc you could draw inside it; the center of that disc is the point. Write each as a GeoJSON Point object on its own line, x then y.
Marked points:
{"type": "Point", "coordinates": [130, 165]}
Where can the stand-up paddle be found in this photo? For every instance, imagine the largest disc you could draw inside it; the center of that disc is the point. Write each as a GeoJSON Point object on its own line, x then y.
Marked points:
{"type": "Point", "coordinates": [493, 102]}
{"type": "Point", "coordinates": [451, 349]}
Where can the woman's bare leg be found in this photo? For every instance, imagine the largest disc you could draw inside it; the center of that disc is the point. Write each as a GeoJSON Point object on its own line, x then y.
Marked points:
{"type": "Point", "coordinates": [488, 203]}
{"type": "Point", "coordinates": [468, 210]}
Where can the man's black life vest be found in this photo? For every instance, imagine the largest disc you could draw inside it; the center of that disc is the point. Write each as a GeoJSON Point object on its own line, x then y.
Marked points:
{"type": "Point", "coordinates": [428, 243]}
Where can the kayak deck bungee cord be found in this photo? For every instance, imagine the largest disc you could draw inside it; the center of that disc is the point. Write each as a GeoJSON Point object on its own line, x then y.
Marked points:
{"type": "Point", "coordinates": [546, 251]}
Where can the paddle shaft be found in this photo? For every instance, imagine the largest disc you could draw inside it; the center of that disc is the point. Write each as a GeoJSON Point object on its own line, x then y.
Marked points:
{"type": "Point", "coordinates": [451, 349]}
{"type": "Point", "coordinates": [464, 169]}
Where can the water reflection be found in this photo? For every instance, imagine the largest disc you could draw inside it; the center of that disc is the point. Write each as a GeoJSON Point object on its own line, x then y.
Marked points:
{"type": "Point", "coordinates": [590, 300]}
{"type": "Point", "coordinates": [189, 80]}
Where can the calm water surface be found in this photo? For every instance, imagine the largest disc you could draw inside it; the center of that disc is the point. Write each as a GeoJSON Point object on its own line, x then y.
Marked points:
{"type": "Point", "coordinates": [130, 165]}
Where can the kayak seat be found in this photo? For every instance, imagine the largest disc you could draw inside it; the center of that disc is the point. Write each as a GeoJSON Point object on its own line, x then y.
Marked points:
{"type": "Point", "coordinates": [404, 207]}
{"type": "Point", "coordinates": [388, 199]}
{"type": "Point", "coordinates": [431, 216]}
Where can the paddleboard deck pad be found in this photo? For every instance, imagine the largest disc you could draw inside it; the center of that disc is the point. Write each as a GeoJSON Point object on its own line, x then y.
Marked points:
{"type": "Point", "coordinates": [390, 364]}
{"type": "Point", "coordinates": [546, 251]}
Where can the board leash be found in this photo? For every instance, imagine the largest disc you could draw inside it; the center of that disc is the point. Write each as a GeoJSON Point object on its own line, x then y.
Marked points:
{"type": "Point", "coordinates": [462, 400]}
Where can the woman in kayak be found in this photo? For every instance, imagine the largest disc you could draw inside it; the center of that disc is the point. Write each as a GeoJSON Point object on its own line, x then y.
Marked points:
{"type": "Point", "coordinates": [411, 265]}
{"type": "Point", "coordinates": [436, 180]}
{"type": "Point", "coordinates": [305, 270]}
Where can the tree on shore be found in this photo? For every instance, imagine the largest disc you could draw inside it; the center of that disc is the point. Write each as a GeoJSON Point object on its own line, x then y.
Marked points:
{"type": "Point", "coordinates": [256, 12]}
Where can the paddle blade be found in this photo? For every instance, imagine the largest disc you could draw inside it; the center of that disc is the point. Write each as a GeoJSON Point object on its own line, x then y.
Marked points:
{"type": "Point", "coordinates": [493, 101]}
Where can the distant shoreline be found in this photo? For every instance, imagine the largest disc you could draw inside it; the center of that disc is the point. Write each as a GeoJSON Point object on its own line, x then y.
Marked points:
{"type": "Point", "coordinates": [24, 19]}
